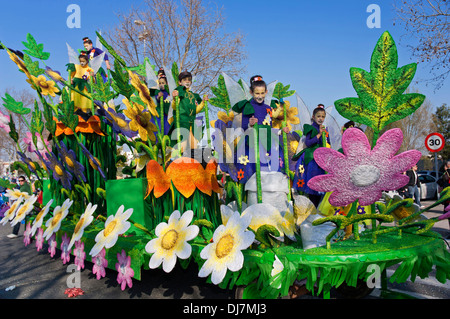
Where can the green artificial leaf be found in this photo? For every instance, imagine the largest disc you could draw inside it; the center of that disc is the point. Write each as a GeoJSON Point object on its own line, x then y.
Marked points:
{"type": "Point", "coordinates": [110, 50]}
{"type": "Point", "coordinates": [66, 112]}
{"type": "Point", "coordinates": [50, 124]}
{"type": "Point", "coordinates": [121, 80]}
{"type": "Point", "coordinates": [13, 133]}
{"type": "Point", "coordinates": [6, 184]}
{"type": "Point", "coordinates": [221, 99]}
{"type": "Point", "coordinates": [140, 69]}
{"type": "Point", "coordinates": [32, 66]}
{"type": "Point", "coordinates": [102, 90]}
{"type": "Point", "coordinates": [14, 106]}
{"type": "Point", "coordinates": [380, 92]}
{"type": "Point", "coordinates": [281, 91]}
{"type": "Point", "coordinates": [34, 49]}
{"type": "Point", "coordinates": [175, 71]}
{"type": "Point", "coordinates": [37, 125]}
{"type": "Point", "coordinates": [264, 235]}
{"type": "Point", "coordinates": [21, 166]}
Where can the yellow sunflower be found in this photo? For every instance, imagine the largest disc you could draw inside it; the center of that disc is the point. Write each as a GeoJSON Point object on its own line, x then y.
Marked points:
{"type": "Point", "coordinates": [223, 117]}
{"type": "Point", "coordinates": [140, 121]}
{"type": "Point", "coordinates": [144, 93]}
{"type": "Point", "coordinates": [19, 63]}
{"type": "Point", "coordinates": [291, 116]}
{"type": "Point", "coordinates": [47, 87]}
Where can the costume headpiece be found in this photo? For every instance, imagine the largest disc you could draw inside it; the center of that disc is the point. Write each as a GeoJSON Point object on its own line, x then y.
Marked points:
{"type": "Point", "coordinates": [257, 78]}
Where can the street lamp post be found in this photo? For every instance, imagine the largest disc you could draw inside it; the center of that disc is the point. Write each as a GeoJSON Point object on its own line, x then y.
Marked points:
{"type": "Point", "coordinates": [143, 35]}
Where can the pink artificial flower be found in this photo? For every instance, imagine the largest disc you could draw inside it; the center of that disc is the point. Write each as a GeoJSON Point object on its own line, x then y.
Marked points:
{"type": "Point", "coordinates": [80, 255]}
{"type": "Point", "coordinates": [100, 263]}
{"type": "Point", "coordinates": [65, 252]}
{"type": "Point", "coordinates": [362, 173]}
{"type": "Point", "coordinates": [39, 239]}
{"type": "Point", "coordinates": [52, 245]}
{"type": "Point", "coordinates": [40, 146]}
{"type": "Point", "coordinates": [125, 273]}
{"type": "Point", "coordinates": [4, 122]}
{"type": "Point", "coordinates": [27, 235]}
{"type": "Point", "coordinates": [446, 215]}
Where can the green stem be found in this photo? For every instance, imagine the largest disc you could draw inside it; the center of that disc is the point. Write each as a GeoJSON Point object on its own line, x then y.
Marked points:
{"type": "Point", "coordinates": [208, 133]}
{"type": "Point", "coordinates": [257, 162]}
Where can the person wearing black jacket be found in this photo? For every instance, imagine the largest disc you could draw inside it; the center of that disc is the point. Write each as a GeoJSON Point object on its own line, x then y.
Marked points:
{"type": "Point", "coordinates": [414, 185]}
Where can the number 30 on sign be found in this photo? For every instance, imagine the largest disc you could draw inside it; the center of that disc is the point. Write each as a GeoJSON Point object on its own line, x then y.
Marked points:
{"type": "Point", "coordinates": [435, 142]}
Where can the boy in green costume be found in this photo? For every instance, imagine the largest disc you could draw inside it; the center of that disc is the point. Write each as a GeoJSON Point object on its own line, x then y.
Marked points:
{"type": "Point", "coordinates": [189, 105]}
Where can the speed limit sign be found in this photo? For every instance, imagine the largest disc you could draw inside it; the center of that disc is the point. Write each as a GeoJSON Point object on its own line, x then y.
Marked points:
{"type": "Point", "coordinates": [435, 142]}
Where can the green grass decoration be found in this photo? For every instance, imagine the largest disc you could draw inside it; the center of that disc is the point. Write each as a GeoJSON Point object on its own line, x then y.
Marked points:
{"type": "Point", "coordinates": [380, 92]}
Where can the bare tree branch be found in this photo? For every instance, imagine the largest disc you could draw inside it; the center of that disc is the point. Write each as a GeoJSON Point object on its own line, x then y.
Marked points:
{"type": "Point", "coordinates": [427, 22]}
{"type": "Point", "coordinates": [188, 32]}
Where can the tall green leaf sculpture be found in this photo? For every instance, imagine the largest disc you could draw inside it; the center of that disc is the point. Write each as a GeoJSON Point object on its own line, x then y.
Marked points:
{"type": "Point", "coordinates": [380, 98]}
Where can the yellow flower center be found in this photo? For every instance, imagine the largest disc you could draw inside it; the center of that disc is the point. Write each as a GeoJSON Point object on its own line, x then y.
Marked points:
{"type": "Point", "coordinates": [43, 84]}
{"type": "Point", "coordinates": [32, 165]}
{"type": "Point", "coordinates": [58, 170]}
{"type": "Point", "coordinates": [169, 239]}
{"type": "Point", "coordinates": [121, 122]}
{"type": "Point", "coordinates": [401, 212]}
{"type": "Point", "coordinates": [56, 219]}
{"type": "Point", "coordinates": [142, 121]}
{"type": "Point", "coordinates": [110, 228]}
{"type": "Point", "coordinates": [22, 210]}
{"type": "Point", "coordinates": [39, 216]}
{"type": "Point", "coordinates": [79, 224]}
{"type": "Point", "coordinates": [224, 246]}
{"type": "Point", "coordinates": [94, 165]}
{"type": "Point", "coordinates": [69, 161]}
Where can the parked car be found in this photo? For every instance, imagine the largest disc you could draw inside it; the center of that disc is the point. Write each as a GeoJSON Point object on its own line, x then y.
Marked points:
{"type": "Point", "coordinates": [432, 173]}
{"type": "Point", "coordinates": [428, 186]}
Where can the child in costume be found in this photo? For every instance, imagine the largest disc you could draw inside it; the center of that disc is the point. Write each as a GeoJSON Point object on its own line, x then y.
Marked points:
{"type": "Point", "coordinates": [256, 111]}
{"type": "Point", "coordinates": [307, 167]}
{"type": "Point", "coordinates": [80, 74]}
{"type": "Point", "coordinates": [164, 93]}
{"type": "Point", "coordinates": [93, 52]}
{"type": "Point", "coordinates": [189, 105]}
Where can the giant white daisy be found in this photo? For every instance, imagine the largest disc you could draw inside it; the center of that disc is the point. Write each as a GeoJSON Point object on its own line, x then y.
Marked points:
{"type": "Point", "coordinates": [85, 219]}
{"type": "Point", "coordinates": [115, 225]}
{"type": "Point", "coordinates": [14, 194]}
{"type": "Point", "coordinates": [37, 223]}
{"type": "Point", "coordinates": [172, 241]}
{"type": "Point", "coordinates": [24, 209]}
{"type": "Point", "coordinates": [225, 250]}
{"type": "Point", "coordinates": [10, 213]}
{"type": "Point", "coordinates": [54, 223]}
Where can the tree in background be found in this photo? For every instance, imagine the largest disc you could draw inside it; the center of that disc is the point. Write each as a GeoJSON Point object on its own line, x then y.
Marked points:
{"type": "Point", "coordinates": [428, 23]}
{"type": "Point", "coordinates": [191, 34]}
{"type": "Point", "coordinates": [442, 120]}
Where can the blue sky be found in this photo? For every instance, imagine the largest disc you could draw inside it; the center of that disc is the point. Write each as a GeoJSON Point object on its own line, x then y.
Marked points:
{"type": "Point", "coordinates": [310, 45]}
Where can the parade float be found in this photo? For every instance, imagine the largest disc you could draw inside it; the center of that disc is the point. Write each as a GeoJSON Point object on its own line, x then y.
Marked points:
{"type": "Point", "coordinates": [228, 205]}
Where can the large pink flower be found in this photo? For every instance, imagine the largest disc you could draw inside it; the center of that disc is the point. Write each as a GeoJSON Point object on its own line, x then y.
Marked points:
{"type": "Point", "coordinates": [4, 122]}
{"type": "Point", "coordinates": [40, 145]}
{"type": "Point", "coordinates": [361, 173]}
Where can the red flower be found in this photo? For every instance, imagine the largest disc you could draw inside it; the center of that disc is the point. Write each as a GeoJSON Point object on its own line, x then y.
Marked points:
{"type": "Point", "coordinates": [301, 183]}
{"type": "Point", "coordinates": [73, 292]}
{"type": "Point", "coordinates": [240, 174]}
{"type": "Point", "coordinates": [269, 111]}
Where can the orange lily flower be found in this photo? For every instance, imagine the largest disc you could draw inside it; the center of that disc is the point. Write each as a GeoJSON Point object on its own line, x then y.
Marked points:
{"type": "Point", "coordinates": [92, 125]}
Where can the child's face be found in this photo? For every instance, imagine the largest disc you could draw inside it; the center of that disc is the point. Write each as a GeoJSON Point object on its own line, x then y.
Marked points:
{"type": "Point", "coordinates": [186, 82]}
{"type": "Point", "coordinates": [259, 93]}
{"type": "Point", "coordinates": [319, 118]}
{"type": "Point", "coordinates": [88, 46]}
{"type": "Point", "coordinates": [162, 83]}
{"type": "Point", "coordinates": [83, 62]}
